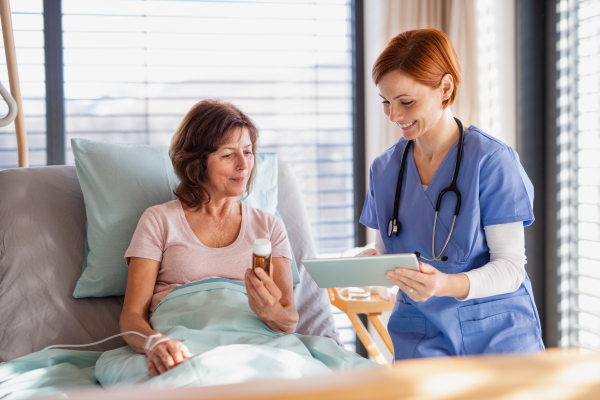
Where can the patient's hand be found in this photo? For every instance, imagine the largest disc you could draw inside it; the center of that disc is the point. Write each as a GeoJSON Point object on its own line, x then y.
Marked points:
{"type": "Point", "coordinates": [367, 253]}
{"type": "Point", "coordinates": [167, 355]}
{"type": "Point", "coordinates": [265, 299]}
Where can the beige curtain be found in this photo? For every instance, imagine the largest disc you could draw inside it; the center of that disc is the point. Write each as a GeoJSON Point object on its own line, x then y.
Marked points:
{"type": "Point", "coordinates": [384, 19]}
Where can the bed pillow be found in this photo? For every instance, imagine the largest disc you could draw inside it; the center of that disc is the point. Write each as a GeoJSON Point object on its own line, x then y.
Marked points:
{"type": "Point", "coordinates": [119, 182]}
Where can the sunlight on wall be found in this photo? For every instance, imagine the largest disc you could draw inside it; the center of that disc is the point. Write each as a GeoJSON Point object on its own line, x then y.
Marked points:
{"type": "Point", "coordinates": [489, 108]}
{"type": "Point", "coordinates": [496, 56]}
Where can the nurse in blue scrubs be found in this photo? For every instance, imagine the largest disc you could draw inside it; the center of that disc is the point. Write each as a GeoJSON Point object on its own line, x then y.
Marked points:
{"type": "Point", "coordinates": [471, 295]}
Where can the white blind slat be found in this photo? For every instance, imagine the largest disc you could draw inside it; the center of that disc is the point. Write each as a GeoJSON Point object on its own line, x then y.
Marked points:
{"type": "Point", "coordinates": [579, 171]}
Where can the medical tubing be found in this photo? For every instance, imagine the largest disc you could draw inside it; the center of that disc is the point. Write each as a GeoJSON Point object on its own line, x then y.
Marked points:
{"type": "Point", "coordinates": [148, 341]}
{"type": "Point", "coordinates": [156, 344]}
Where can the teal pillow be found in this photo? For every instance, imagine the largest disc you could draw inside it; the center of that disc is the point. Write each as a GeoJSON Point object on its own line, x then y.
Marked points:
{"type": "Point", "coordinates": [119, 182]}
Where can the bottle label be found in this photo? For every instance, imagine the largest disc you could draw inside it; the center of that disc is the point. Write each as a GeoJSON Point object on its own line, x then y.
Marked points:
{"type": "Point", "coordinates": [264, 263]}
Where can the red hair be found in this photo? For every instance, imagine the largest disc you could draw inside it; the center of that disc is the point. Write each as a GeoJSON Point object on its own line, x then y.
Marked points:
{"type": "Point", "coordinates": [426, 55]}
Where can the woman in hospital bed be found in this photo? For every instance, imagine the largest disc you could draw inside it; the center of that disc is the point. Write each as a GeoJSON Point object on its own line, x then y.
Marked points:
{"type": "Point", "coordinates": [206, 233]}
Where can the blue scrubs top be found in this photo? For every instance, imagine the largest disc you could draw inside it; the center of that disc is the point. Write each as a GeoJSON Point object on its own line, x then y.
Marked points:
{"type": "Point", "coordinates": [495, 190]}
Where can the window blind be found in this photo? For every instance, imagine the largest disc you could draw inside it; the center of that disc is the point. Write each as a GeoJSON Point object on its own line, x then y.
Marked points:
{"type": "Point", "coordinates": [132, 69]}
{"type": "Point", "coordinates": [28, 27]}
{"type": "Point", "coordinates": [579, 171]}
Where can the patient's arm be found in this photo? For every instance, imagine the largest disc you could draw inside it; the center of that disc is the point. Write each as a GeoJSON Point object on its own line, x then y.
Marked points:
{"type": "Point", "coordinates": [273, 299]}
{"type": "Point", "coordinates": [140, 288]}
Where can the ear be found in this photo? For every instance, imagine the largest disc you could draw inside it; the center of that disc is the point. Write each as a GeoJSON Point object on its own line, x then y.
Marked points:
{"type": "Point", "coordinates": [447, 86]}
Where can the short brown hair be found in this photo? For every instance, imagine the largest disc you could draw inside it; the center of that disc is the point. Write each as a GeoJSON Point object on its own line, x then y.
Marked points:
{"type": "Point", "coordinates": [207, 126]}
{"type": "Point", "coordinates": [426, 55]}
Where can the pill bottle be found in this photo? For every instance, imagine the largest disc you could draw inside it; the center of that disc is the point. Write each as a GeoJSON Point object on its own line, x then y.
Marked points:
{"type": "Point", "coordinates": [262, 256]}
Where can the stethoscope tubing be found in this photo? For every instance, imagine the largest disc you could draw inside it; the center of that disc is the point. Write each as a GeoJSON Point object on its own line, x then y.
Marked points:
{"type": "Point", "coordinates": [394, 225]}
{"type": "Point", "coordinates": [399, 185]}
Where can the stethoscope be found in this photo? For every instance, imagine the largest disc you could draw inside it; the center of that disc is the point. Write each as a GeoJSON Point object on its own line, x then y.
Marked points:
{"type": "Point", "coordinates": [394, 225]}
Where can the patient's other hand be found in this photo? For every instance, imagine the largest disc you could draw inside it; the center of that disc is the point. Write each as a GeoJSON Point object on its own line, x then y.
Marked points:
{"type": "Point", "coordinates": [263, 293]}
{"type": "Point", "coordinates": [167, 355]}
{"type": "Point", "coordinates": [265, 299]}
{"type": "Point", "coordinates": [367, 253]}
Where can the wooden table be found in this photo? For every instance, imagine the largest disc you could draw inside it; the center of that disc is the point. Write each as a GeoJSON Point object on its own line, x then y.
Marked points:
{"type": "Point", "coordinates": [373, 309]}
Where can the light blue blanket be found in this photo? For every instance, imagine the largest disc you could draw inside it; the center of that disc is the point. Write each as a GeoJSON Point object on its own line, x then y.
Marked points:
{"type": "Point", "coordinates": [230, 343]}
{"type": "Point", "coordinates": [50, 372]}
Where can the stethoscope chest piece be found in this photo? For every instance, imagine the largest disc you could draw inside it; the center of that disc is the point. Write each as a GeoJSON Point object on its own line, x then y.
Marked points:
{"type": "Point", "coordinates": [393, 228]}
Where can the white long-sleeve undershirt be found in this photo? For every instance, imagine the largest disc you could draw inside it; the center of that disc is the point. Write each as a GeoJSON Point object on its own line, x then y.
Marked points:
{"type": "Point", "coordinates": [506, 270]}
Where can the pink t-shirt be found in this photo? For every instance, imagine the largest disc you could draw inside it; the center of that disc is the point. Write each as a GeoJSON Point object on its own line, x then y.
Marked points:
{"type": "Point", "coordinates": [163, 234]}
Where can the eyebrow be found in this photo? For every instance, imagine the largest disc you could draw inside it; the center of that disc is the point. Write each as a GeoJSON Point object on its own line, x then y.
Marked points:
{"type": "Point", "coordinates": [397, 97]}
{"type": "Point", "coordinates": [235, 148]}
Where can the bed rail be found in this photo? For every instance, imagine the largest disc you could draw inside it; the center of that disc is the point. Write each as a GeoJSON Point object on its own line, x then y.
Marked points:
{"type": "Point", "coordinates": [13, 78]}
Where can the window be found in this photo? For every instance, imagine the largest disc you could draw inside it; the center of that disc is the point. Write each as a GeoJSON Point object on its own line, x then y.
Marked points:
{"type": "Point", "coordinates": [579, 171]}
{"type": "Point", "coordinates": [28, 27]}
{"type": "Point", "coordinates": [132, 69]}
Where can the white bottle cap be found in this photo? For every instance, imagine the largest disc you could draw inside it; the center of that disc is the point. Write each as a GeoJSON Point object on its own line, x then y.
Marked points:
{"type": "Point", "coordinates": [262, 247]}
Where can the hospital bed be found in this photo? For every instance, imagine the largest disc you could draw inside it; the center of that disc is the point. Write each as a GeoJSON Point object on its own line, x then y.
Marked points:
{"type": "Point", "coordinates": [42, 239]}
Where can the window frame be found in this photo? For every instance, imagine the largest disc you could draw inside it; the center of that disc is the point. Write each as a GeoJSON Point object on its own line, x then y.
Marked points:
{"type": "Point", "coordinates": [55, 100]}
{"type": "Point", "coordinates": [537, 135]}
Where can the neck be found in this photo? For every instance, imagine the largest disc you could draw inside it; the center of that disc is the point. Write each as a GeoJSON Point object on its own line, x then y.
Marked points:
{"type": "Point", "coordinates": [440, 138]}
{"type": "Point", "coordinates": [219, 206]}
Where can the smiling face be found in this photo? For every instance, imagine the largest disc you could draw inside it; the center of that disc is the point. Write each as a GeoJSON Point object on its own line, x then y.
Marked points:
{"type": "Point", "coordinates": [414, 107]}
{"type": "Point", "coordinates": [229, 167]}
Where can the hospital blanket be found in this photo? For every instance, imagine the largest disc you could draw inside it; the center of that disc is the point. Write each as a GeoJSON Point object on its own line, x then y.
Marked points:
{"type": "Point", "coordinates": [50, 372]}
{"type": "Point", "coordinates": [230, 344]}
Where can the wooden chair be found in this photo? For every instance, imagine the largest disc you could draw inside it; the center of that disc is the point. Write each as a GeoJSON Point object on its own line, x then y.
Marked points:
{"type": "Point", "coordinates": [373, 309]}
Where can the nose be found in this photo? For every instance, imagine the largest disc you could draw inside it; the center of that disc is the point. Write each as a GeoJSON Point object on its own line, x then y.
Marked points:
{"type": "Point", "coordinates": [395, 114]}
{"type": "Point", "coordinates": [242, 162]}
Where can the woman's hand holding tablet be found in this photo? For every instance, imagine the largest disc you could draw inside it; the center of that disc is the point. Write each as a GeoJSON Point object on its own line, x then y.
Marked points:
{"type": "Point", "coordinates": [424, 282]}
{"type": "Point", "coordinates": [428, 282]}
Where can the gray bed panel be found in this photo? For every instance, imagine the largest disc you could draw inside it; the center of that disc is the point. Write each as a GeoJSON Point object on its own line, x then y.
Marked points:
{"type": "Point", "coordinates": [42, 234]}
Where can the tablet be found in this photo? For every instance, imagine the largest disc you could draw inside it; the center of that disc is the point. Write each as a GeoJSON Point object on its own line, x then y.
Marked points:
{"type": "Point", "coordinates": [357, 271]}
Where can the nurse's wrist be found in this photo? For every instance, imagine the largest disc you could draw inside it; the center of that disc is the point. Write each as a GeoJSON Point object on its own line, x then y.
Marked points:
{"type": "Point", "coordinates": [458, 286]}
